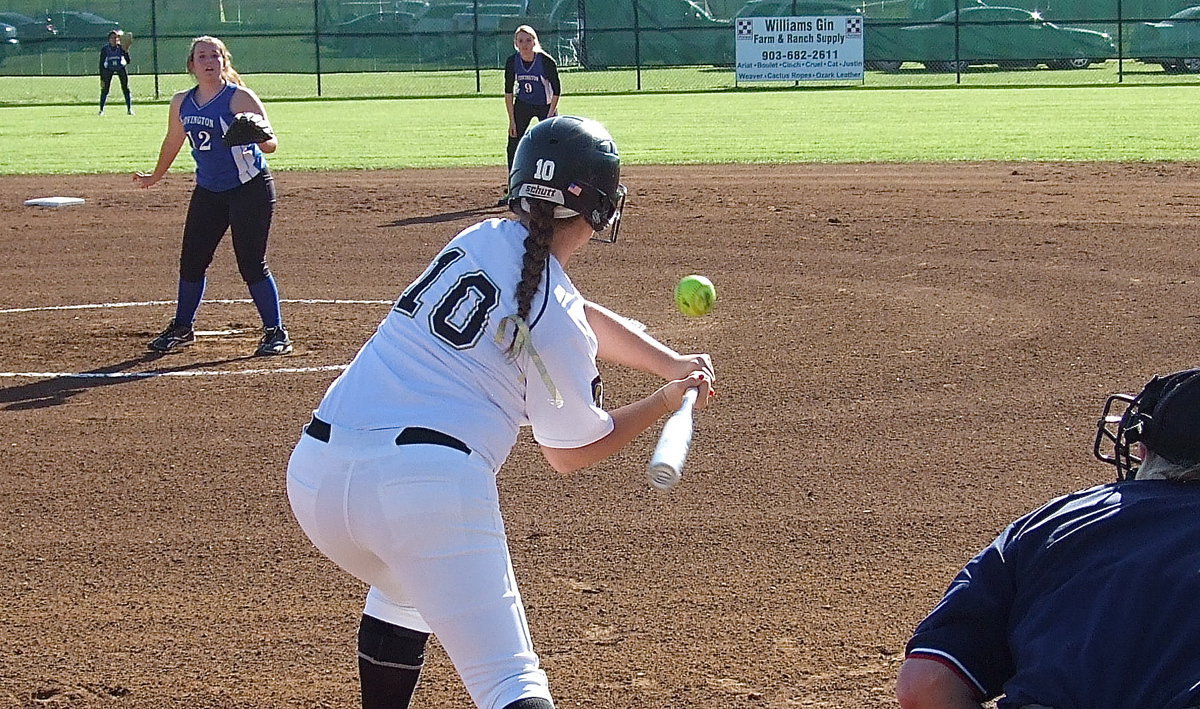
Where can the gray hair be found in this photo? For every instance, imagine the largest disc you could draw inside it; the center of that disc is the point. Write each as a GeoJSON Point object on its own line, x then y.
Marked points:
{"type": "Point", "coordinates": [1156, 467]}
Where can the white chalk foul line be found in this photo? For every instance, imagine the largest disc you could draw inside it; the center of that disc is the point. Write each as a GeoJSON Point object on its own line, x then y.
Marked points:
{"type": "Point", "coordinates": [171, 373]}
{"type": "Point", "coordinates": [174, 373]}
{"type": "Point", "coordinates": [226, 301]}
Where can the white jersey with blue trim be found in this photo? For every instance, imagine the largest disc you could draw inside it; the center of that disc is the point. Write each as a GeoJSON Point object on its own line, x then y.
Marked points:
{"type": "Point", "coordinates": [435, 361]}
{"type": "Point", "coordinates": [218, 168]}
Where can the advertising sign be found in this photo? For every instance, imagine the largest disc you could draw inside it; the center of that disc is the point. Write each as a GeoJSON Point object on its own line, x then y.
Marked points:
{"type": "Point", "coordinates": [799, 48]}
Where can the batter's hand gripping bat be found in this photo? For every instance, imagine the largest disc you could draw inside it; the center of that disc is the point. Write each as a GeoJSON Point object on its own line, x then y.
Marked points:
{"type": "Point", "coordinates": [666, 464]}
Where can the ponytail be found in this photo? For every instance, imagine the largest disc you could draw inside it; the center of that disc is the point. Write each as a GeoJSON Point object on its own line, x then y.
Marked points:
{"type": "Point", "coordinates": [540, 223]}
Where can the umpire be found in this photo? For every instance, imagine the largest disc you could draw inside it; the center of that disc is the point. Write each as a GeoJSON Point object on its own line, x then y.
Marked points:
{"type": "Point", "coordinates": [1088, 602]}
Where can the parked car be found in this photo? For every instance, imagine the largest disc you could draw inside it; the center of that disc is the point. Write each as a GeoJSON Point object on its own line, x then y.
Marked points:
{"type": "Point", "coordinates": [416, 7]}
{"type": "Point", "coordinates": [1173, 43]}
{"type": "Point", "coordinates": [440, 17]}
{"type": "Point", "coordinates": [30, 31]}
{"type": "Point", "coordinates": [672, 32]}
{"type": "Point", "coordinates": [491, 18]}
{"type": "Point", "coordinates": [374, 35]}
{"type": "Point", "coordinates": [495, 25]}
{"type": "Point", "coordinates": [83, 29]}
{"type": "Point", "coordinates": [448, 32]}
{"type": "Point", "coordinates": [9, 44]}
{"type": "Point", "coordinates": [987, 35]}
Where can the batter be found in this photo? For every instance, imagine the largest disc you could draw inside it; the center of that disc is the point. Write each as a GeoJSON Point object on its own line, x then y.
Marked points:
{"type": "Point", "coordinates": [394, 478]}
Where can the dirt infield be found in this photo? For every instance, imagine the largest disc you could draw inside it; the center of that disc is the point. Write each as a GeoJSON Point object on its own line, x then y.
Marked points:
{"type": "Point", "coordinates": [908, 357]}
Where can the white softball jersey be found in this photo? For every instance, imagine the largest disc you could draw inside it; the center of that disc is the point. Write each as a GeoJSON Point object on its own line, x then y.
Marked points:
{"type": "Point", "coordinates": [435, 361]}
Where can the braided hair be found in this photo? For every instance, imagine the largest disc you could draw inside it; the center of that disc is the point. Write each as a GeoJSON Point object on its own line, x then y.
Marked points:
{"type": "Point", "coordinates": [540, 223]}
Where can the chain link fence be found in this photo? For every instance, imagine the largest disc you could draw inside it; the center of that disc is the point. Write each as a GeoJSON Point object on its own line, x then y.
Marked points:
{"type": "Point", "coordinates": [416, 48]}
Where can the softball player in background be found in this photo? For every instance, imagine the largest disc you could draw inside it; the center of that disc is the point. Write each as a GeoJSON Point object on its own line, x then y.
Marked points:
{"type": "Point", "coordinates": [534, 75]}
{"type": "Point", "coordinates": [234, 191]}
{"type": "Point", "coordinates": [394, 478]}
{"type": "Point", "coordinates": [114, 60]}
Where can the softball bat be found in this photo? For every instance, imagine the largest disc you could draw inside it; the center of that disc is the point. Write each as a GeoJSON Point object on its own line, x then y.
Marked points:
{"type": "Point", "coordinates": [666, 464]}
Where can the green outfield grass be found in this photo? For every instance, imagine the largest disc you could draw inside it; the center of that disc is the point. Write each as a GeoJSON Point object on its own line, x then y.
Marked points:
{"type": "Point", "coordinates": [28, 83]}
{"type": "Point", "coordinates": [1120, 123]}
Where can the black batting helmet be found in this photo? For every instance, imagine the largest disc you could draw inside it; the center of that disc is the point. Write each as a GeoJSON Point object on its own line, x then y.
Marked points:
{"type": "Point", "coordinates": [571, 162]}
{"type": "Point", "coordinates": [1165, 417]}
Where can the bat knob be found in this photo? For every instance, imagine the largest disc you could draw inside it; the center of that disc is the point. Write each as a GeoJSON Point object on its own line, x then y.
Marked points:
{"type": "Point", "coordinates": [663, 477]}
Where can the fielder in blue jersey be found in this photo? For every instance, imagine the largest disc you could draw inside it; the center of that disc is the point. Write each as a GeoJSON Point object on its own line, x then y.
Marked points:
{"type": "Point", "coordinates": [1088, 602]}
{"type": "Point", "coordinates": [531, 86]}
{"type": "Point", "coordinates": [114, 60]}
{"type": "Point", "coordinates": [234, 191]}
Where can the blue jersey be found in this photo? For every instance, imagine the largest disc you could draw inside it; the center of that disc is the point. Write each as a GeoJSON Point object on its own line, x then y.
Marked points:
{"type": "Point", "coordinates": [218, 168]}
{"type": "Point", "coordinates": [1086, 603]}
{"type": "Point", "coordinates": [113, 58]}
{"type": "Point", "coordinates": [536, 82]}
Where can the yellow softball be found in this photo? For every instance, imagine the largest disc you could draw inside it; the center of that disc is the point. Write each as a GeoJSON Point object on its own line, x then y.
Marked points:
{"type": "Point", "coordinates": [695, 295]}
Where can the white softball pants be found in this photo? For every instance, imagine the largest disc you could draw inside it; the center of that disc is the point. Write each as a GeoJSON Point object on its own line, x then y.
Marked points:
{"type": "Point", "coordinates": [421, 524]}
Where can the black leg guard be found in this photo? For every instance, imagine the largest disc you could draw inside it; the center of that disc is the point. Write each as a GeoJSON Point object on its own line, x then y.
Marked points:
{"type": "Point", "coordinates": [530, 703]}
{"type": "Point", "coordinates": [389, 663]}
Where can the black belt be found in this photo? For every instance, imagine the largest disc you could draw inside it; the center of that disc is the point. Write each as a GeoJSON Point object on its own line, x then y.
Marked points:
{"type": "Point", "coordinates": [319, 430]}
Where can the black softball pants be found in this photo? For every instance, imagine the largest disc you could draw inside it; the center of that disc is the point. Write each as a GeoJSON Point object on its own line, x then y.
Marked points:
{"type": "Point", "coordinates": [246, 211]}
{"type": "Point", "coordinates": [523, 114]}
{"type": "Point", "coordinates": [106, 76]}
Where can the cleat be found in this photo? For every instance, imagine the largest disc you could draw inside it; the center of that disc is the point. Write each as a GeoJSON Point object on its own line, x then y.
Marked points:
{"type": "Point", "coordinates": [275, 341]}
{"type": "Point", "coordinates": [172, 338]}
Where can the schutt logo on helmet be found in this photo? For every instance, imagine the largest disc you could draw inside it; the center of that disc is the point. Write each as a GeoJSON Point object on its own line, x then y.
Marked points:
{"type": "Point", "coordinates": [541, 192]}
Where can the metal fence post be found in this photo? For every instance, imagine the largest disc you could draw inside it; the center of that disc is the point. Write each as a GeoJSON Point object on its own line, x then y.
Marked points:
{"type": "Point", "coordinates": [154, 46]}
{"type": "Point", "coordinates": [317, 41]}
{"type": "Point", "coordinates": [637, 45]}
{"type": "Point", "coordinates": [583, 34]}
{"type": "Point", "coordinates": [475, 47]}
{"type": "Point", "coordinates": [1120, 45]}
{"type": "Point", "coordinates": [957, 47]}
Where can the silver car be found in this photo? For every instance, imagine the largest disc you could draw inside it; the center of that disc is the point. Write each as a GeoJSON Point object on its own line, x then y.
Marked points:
{"type": "Point", "coordinates": [8, 40]}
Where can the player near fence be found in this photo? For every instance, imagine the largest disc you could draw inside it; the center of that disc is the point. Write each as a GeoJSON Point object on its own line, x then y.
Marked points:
{"type": "Point", "coordinates": [1088, 602]}
{"type": "Point", "coordinates": [394, 478]}
{"type": "Point", "coordinates": [531, 87]}
{"type": "Point", "coordinates": [114, 61]}
{"type": "Point", "coordinates": [234, 191]}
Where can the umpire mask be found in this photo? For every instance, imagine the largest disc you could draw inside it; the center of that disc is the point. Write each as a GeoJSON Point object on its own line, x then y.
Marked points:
{"type": "Point", "coordinates": [1165, 417]}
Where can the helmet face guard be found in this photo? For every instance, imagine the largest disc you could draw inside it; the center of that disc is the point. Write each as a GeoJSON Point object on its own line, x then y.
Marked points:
{"type": "Point", "coordinates": [1115, 436]}
{"type": "Point", "coordinates": [614, 222]}
{"type": "Point", "coordinates": [1164, 417]}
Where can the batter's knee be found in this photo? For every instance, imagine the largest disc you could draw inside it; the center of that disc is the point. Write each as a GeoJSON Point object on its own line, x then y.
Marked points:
{"type": "Point", "coordinates": [531, 703]}
{"type": "Point", "coordinates": [382, 643]}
